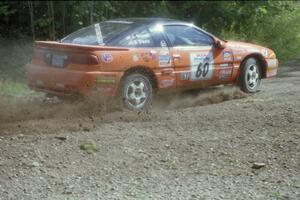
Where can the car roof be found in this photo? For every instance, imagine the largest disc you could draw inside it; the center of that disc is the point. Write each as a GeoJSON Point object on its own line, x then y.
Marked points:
{"type": "Point", "coordinates": [147, 20]}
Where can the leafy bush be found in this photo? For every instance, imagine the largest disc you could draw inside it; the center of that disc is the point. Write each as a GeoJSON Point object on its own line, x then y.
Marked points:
{"type": "Point", "coordinates": [274, 24]}
{"type": "Point", "coordinates": [279, 32]}
{"type": "Point", "coordinates": [14, 54]}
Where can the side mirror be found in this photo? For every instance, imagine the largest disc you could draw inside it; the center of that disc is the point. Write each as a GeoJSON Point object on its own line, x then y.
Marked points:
{"type": "Point", "coordinates": [219, 44]}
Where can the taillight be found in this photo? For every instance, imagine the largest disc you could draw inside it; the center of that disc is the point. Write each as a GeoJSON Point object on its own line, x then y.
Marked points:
{"type": "Point", "coordinates": [92, 60]}
{"type": "Point", "coordinates": [84, 59]}
{"type": "Point", "coordinates": [69, 57]}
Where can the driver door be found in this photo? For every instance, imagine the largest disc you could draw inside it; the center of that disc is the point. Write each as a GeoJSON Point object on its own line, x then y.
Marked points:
{"type": "Point", "coordinates": [197, 62]}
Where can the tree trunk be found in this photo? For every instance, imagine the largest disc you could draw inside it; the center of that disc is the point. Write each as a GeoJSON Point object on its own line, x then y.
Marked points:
{"type": "Point", "coordinates": [91, 5]}
{"type": "Point", "coordinates": [31, 13]}
{"type": "Point", "coordinates": [63, 18]}
{"type": "Point", "coordinates": [51, 19]}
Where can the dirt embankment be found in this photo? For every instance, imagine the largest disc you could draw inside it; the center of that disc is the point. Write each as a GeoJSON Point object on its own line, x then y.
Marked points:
{"type": "Point", "coordinates": [204, 145]}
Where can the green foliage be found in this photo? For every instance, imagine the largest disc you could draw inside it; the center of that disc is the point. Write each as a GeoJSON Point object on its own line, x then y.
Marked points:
{"type": "Point", "coordinates": [5, 10]}
{"type": "Point", "coordinates": [13, 90]}
{"type": "Point", "coordinates": [271, 23]}
{"type": "Point", "coordinates": [281, 33]}
{"type": "Point", "coordinates": [14, 54]}
{"type": "Point", "coordinates": [276, 27]}
{"type": "Point", "coordinates": [278, 196]}
{"type": "Point", "coordinates": [88, 147]}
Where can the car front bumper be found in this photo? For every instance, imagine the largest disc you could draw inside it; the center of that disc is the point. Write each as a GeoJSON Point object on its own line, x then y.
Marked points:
{"type": "Point", "coordinates": [272, 67]}
{"type": "Point", "coordinates": [69, 82]}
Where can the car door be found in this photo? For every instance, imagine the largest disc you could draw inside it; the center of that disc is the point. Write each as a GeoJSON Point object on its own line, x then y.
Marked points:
{"type": "Point", "coordinates": [197, 62]}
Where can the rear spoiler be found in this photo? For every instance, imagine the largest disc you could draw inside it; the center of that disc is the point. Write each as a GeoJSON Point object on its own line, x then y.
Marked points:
{"type": "Point", "coordinates": [58, 45]}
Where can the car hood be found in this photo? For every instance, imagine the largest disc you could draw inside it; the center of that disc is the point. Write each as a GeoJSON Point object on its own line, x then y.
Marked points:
{"type": "Point", "coordinates": [248, 48]}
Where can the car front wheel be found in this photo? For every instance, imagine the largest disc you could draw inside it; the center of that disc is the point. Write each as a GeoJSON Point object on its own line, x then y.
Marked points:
{"type": "Point", "coordinates": [136, 92]}
{"type": "Point", "coordinates": [250, 77]}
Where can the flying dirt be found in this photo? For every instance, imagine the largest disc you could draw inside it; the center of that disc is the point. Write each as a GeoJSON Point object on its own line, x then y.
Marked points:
{"type": "Point", "coordinates": [217, 143]}
{"type": "Point", "coordinates": [47, 108]}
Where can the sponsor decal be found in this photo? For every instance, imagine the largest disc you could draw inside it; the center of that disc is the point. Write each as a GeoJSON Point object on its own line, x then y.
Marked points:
{"type": "Point", "coordinates": [264, 52]}
{"type": "Point", "coordinates": [164, 59]}
{"type": "Point", "coordinates": [98, 34]}
{"type": "Point", "coordinates": [224, 65]}
{"type": "Point", "coordinates": [227, 56]}
{"type": "Point", "coordinates": [146, 56]}
{"type": "Point", "coordinates": [271, 72]}
{"type": "Point", "coordinates": [185, 75]}
{"type": "Point", "coordinates": [103, 89]}
{"type": "Point", "coordinates": [167, 83]}
{"type": "Point", "coordinates": [153, 54]}
{"type": "Point", "coordinates": [239, 49]}
{"type": "Point", "coordinates": [238, 57]}
{"type": "Point", "coordinates": [201, 65]}
{"type": "Point", "coordinates": [105, 80]}
{"type": "Point", "coordinates": [107, 57]}
{"type": "Point", "coordinates": [135, 57]}
{"type": "Point", "coordinates": [272, 63]}
{"type": "Point", "coordinates": [225, 71]}
{"type": "Point", "coordinates": [253, 50]}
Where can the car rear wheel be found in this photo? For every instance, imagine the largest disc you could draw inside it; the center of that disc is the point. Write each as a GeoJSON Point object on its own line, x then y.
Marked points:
{"type": "Point", "coordinates": [136, 92]}
{"type": "Point", "coordinates": [250, 77]}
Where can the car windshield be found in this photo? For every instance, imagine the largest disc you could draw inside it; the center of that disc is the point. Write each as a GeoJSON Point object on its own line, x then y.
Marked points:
{"type": "Point", "coordinates": [98, 34]}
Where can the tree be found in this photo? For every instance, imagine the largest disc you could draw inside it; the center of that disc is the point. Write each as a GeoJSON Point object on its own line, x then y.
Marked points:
{"type": "Point", "coordinates": [64, 17]}
{"type": "Point", "coordinates": [51, 20]}
{"type": "Point", "coordinates": [31, 14]}
{"type": "Point", "coordinates": [91, 8]}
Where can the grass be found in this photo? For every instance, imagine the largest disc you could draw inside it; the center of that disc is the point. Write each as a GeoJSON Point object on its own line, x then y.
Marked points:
{"type": "Point", "coordinates": [12, 91]}
{"type": "Point", "coordinates": [88, 147]}
{"type": "Point", "coordinates": [15, 54]}
{"type": "Point", "coordinates": [278, 196]}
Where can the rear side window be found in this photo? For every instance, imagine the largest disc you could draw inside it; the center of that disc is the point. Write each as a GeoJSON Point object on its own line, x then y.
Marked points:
{"type": "Point", "coordinates": [83, 36]}
{"type": "Point", "coordinates": [181, 35]}
{"type": "Point", "coordinates": [97, 34]}
{"type": "Point", "coordinates": [141, 38]}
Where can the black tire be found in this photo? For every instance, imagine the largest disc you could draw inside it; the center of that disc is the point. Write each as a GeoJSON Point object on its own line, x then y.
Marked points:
{"type": "Point", "coordinates": [136, 92]}
{"type": "Point", "coordinates": [250, 76]}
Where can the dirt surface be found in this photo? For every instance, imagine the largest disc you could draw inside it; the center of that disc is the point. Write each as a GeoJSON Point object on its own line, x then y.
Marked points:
{"type": "Point", "coordinates": [215, 144]}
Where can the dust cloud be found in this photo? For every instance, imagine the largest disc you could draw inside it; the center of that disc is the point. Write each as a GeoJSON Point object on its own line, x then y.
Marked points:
{"type": "Point", "coordinates": [199, 97]}
{"type": "Point", "coordinates": [50, 108]}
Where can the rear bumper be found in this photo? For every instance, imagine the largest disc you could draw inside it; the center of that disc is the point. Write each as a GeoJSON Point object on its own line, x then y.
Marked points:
{"type": "Point", "coordinates": [68, 82]}
{"type": "Point", "coordinates": [272, 67]}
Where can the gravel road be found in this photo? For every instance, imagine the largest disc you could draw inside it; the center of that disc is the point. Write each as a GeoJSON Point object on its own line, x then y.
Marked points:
{"type": "Point", "coordinates": [215, 144]}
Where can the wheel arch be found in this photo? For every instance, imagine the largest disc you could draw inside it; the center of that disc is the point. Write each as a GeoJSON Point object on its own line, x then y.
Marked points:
{"type": "Point", "coordinates": [146, 71]}
{"type": "Point", "coordinates": [259, 57]}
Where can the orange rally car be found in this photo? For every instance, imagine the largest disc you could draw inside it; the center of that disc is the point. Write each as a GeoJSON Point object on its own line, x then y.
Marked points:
{"type": "Point", "coordinates": [132, 59]}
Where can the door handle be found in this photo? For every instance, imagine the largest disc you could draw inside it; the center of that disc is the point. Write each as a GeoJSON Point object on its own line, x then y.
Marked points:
{"type": "Point", "coordinates": [176, 56]}
{"type": "Point", "coordinates": [167, 71]}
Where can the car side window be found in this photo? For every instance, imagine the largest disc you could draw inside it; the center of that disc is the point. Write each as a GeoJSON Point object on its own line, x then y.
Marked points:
{"type": "Point", "coordinates": [182, 35]}
{"type": "Point", "coordinates": [84, 36]}
{"type": "Point", "coordinates": [141, 38]}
